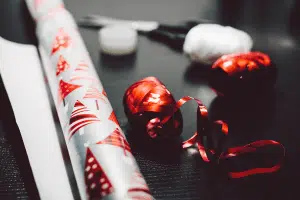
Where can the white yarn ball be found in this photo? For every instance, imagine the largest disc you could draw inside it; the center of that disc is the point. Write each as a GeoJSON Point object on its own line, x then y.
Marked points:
{"type": "Point", "coordinates": [205, 43]}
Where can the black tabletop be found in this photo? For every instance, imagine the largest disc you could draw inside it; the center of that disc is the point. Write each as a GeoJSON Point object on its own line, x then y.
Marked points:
{"type": "Point", "coordinates": [170, 173]}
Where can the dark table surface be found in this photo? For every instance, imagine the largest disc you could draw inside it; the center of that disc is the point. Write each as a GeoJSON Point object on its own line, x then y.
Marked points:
{"type": "Point", "coordinates": [172, 174]}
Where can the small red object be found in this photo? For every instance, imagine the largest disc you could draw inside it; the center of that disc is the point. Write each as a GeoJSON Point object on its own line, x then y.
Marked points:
{"type": "Point", "coordinates": [243, 73]}
{"type": "Point", "coordinates": [62, 65]}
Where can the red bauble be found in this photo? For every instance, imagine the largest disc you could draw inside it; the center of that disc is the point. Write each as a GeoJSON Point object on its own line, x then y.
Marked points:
{"type": "Point", "coordinates": [244, 73]}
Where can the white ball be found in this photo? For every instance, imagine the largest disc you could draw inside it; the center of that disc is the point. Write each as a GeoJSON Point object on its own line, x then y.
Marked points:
{"type": "Point", "coordinates": [118, 40]}
{"type": "Point", "coordinates": [205, 43]}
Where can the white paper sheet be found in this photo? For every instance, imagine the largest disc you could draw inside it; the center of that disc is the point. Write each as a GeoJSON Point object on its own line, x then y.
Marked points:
{"type": "Point", "coordinates": [22, 75]}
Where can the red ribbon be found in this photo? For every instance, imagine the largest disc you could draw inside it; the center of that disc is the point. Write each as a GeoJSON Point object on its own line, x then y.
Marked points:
{"type": "Point", "coordinates": [138, 101]}
{"type": "Point", "coordinates": [239, 62]}
{"type": "Point", "coordinates": [246, 73]}
{"type": "Point", "coordinates": [251, 147]}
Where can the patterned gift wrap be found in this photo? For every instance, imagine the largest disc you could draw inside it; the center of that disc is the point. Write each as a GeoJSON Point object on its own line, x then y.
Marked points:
{"type": "Point", "coordinates": [100, 154]}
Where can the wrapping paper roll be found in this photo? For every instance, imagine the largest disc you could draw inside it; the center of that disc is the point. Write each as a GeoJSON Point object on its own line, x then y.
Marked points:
{"type": "Point", "coordinates": [102, 161]}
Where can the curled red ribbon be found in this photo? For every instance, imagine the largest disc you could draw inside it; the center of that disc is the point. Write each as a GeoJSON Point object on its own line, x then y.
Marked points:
{"type": "Point", "coordinates": [148, 101]}
{"type": "Point", "coordinates": [237, 63]}
{"type": "Point", "coordinates": [149, 97]}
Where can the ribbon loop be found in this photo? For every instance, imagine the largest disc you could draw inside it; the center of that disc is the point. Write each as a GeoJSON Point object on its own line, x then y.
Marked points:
{"type": "Point", "coordinates": [248, 148]}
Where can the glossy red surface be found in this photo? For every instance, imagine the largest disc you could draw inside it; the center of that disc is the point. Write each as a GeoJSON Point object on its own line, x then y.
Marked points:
{"type": "Point", "coordinates": [238, 63]}
{"type": "Point", "coordinates": [149, 100]}
{"type": "Point", "coordinates": [243, 73]}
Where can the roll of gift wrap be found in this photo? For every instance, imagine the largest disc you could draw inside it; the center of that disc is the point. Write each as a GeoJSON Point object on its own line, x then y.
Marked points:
{"type": "Point", "coordinates": [102, 161]}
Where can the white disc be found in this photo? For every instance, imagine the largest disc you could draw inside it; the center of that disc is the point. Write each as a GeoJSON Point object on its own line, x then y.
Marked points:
{"type": "Point", "coordinates": [118, 40]}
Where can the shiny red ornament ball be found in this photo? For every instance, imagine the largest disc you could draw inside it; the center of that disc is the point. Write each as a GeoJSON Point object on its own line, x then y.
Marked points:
{"type": "Point", "coordinates": [146, 103]}
{"type": "Point", "coordinates": [243, 73]}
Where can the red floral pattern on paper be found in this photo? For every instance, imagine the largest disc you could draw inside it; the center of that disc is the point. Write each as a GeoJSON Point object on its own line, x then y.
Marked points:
{"type": "Point", "coordinates": [113, 118]}
{"type": "Point", "coordinates": [97, 183]}
{"type": "Point", "coordinates": [117, 139]}
{"type": "Point", "coordinates": [80, 117]}
{"type": "Point", "coordinates": [62, 40]}
{"type": "Point", "coordinates": [62, 65]}
{"type": "Point", "coordinates": [65, 89]}
{"type": "Point", "coordinates": [139, 189]}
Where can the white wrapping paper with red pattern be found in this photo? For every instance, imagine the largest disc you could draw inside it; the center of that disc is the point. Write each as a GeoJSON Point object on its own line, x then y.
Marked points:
{"type": "Point", "coordinates": [100, 154]}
